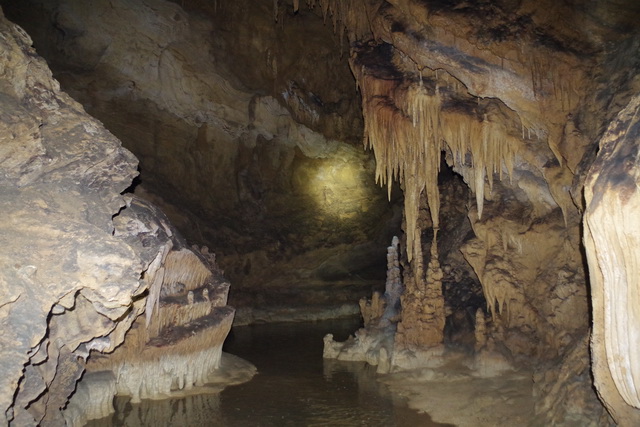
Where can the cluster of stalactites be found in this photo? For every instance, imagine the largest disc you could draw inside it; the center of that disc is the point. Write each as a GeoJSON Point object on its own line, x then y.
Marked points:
{"type": "Point", "coordinates": [407, 129]}
{"type": "Point", "coordinates": [406, 143]}
{"type": "Point", "coordinates": [490, 147]}
{"type": "Point", "coordinates": [346, 15]}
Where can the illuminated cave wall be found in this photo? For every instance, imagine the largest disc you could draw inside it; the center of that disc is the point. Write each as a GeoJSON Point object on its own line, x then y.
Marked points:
{"type": "Point", "coordinates": [249, 136]}
{"type": "Point", "coordinates": [611, 238]}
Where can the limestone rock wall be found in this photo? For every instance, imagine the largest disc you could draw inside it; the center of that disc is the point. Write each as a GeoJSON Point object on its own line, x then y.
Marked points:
{"type": "Point", "coordinates": [68, 282]}
{"type": "Point", "coordinates": [248, 132]}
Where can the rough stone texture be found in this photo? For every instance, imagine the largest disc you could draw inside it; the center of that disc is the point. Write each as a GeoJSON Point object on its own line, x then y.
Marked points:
{"type": "Point", "coordinates": [514, 94]}
{"type": "Point", "coordinates": [66, 278]}
{"type": "Point", "coordinates": [77, 257]}
{"type": "Point", "coordinates": [248, 134]}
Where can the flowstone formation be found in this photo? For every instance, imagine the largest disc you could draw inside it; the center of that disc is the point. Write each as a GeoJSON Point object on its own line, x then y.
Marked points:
{"type": "Point", "coordinates": [612, 237]}
{"type": "Point", "coordinates": [176, 347]}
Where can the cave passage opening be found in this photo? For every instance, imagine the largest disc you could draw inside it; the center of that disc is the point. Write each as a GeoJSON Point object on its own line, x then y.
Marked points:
{"type": "Point", "coordinates": [249, 138]}
{"type": "Point", "coordinates": [251, 143]}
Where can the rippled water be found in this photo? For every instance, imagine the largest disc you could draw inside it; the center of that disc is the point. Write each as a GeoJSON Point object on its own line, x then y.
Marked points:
{"type": "Point", "coordinates": [294, 387]}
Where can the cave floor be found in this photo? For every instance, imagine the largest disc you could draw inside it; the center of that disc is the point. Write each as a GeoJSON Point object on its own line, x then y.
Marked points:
{"type": "Point", "coordinates": [294, 386]}
{"type": "Point", "coordinates": [455, 394]}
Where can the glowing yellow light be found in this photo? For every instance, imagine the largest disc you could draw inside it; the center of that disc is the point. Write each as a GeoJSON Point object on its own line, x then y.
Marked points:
{"type": "Point", "coordinates": [340, 188]}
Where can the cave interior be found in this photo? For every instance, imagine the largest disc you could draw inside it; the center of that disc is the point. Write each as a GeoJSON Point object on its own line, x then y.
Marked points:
{"type": "Point", "coordinates": [162, 159]}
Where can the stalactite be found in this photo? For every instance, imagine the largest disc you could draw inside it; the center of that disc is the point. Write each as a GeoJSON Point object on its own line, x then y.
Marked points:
{"type": "Point", "coordinates": [489, 144]}
{"type": "Point", "coordinates": [405, 138]}
{"type": "Point", "coordinates": [424, 109]}
{"type": "Point", "coordinates": [346, 16]}
{"type": "Point", "coordinates": [406, 127]}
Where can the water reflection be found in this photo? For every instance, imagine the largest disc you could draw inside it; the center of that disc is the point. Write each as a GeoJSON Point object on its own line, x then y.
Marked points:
{"type": "Point", "coordinates": [294, 387]}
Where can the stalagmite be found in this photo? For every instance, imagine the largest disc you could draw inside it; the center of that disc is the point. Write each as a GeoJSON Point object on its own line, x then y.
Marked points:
{"type": "Point", "coordinates": [408, 128]}
{"type": "Point", "coordinates": [393, 285]}
{"type": "Point", "coordinates": [423, 311]}
{"type": "Point", "coordinates": [371, 310]}
{"type": "Point", "coordinates": [480, 330]}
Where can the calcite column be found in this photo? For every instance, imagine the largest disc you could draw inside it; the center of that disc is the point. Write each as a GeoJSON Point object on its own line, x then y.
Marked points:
{"type": "Point", "coordinates": [423, 314]}
{"type": "Point", "coordinates": [612, 240]}
{"type": "Point", "coordinates": [393, 285]}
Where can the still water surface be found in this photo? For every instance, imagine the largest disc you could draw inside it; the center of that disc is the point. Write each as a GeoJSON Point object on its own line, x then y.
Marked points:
{"type": "Point", "coordinates": [294, 387]}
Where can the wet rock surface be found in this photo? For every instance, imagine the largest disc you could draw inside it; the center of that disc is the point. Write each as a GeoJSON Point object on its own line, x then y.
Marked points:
{"type": "Point", "coordinates": [494, 117]}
